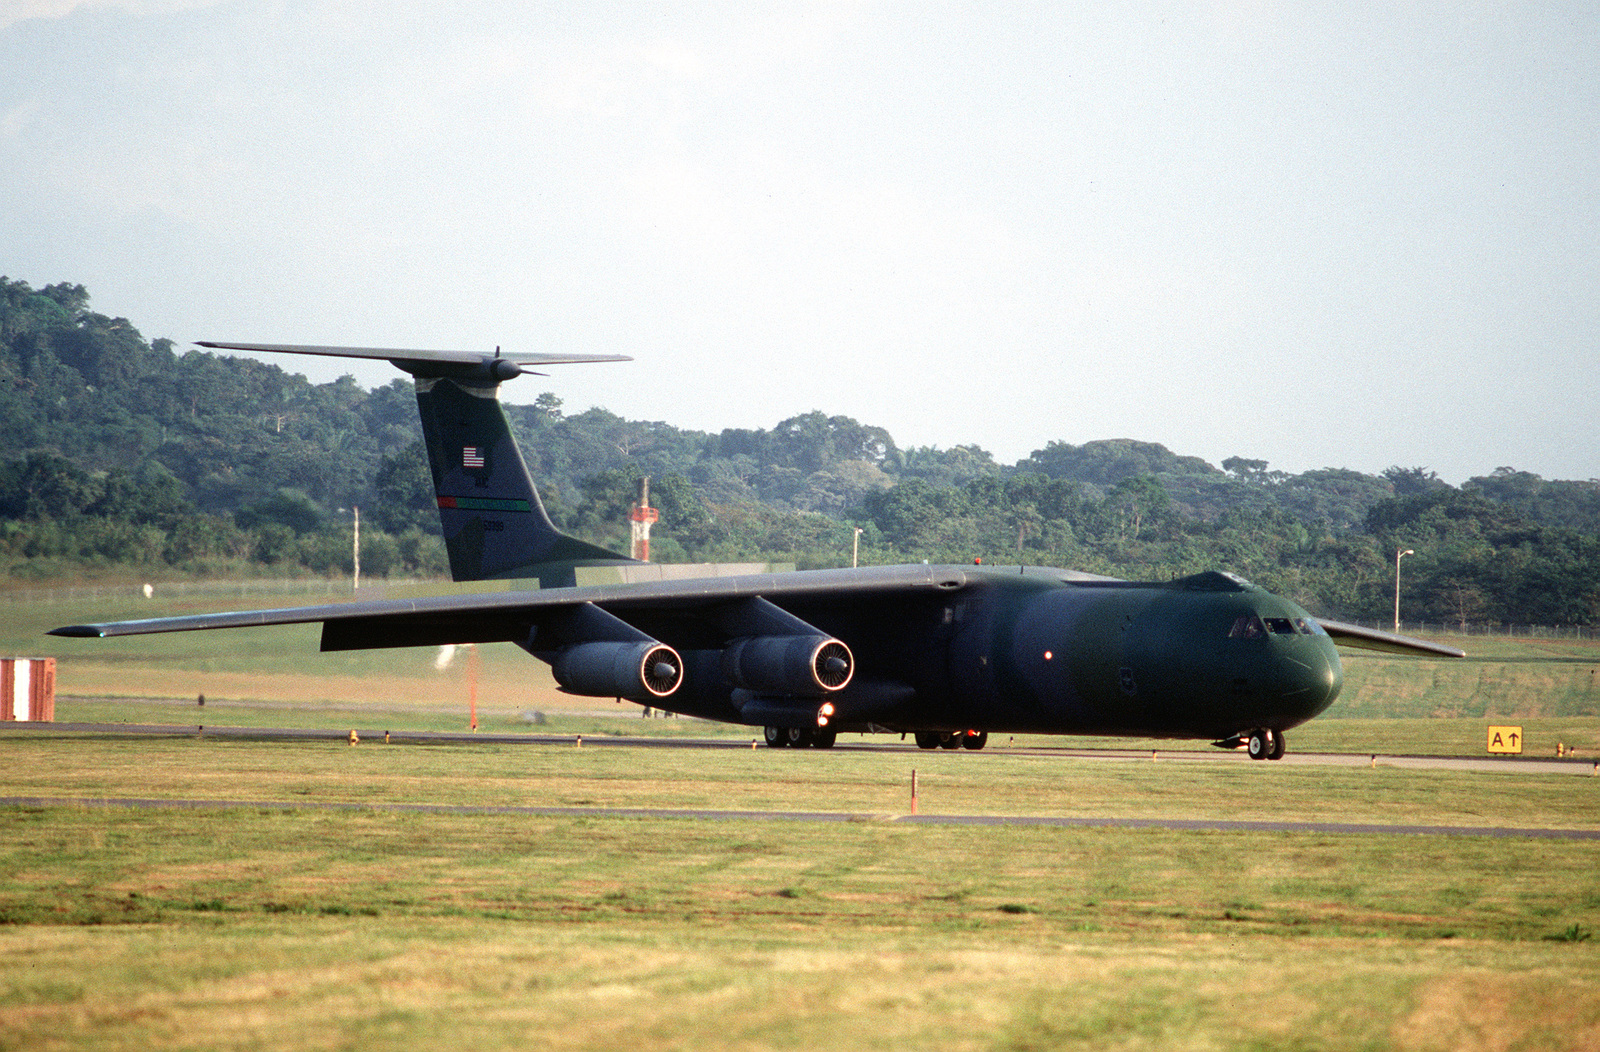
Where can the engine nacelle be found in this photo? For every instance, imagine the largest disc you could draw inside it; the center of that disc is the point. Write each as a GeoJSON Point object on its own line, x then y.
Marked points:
{"type": "Point", "coordinates": [797, 666]}
{"type": "Point", "coordinates": [619, 670]}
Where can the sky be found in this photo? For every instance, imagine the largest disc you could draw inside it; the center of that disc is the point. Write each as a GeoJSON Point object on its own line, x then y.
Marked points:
{"type": "Point", "coordinates": [1315, 234]}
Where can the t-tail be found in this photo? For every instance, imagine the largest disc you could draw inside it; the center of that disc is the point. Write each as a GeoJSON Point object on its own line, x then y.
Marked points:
{"type": "Point", "coordinates": [495, 526]}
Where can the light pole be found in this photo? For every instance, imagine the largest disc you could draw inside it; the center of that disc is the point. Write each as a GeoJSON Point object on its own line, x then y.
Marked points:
{"type": "Point", "coordinates": [855, 548]}
{"type": "Point", "coordinates": [355, 548]}
{"type": "Point", "coordinates": [1398, 555]}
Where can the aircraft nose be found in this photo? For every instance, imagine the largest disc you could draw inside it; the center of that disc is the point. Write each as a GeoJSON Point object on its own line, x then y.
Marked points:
{"type": "Point", "coordinates": [1308, 679]}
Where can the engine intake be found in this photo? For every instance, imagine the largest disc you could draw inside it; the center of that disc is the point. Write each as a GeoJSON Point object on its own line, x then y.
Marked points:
{"type": "Point", "coordinates": [800, 666]}
{"type": "Point", "coordinates": [618, 670]}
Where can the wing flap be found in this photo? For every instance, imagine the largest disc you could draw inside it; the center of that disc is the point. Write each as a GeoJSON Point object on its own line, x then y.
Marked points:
{"type": "Point", "coordinates": [383, 631]}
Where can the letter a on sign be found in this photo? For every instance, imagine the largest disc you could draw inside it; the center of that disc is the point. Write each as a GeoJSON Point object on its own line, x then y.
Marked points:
{"type": "Point", "coordinates": [1505, 740]}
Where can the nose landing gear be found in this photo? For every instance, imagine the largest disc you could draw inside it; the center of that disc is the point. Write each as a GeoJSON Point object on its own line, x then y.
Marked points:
{"type": "Point", "coordinates": [1266, 744]}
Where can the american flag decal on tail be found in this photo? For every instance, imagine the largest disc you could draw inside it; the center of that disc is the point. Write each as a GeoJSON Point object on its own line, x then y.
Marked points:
{"type": "Point", "coordinates": [472, 456]}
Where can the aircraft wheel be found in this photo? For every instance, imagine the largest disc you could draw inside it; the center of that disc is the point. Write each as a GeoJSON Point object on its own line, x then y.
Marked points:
{"type": "Point", "coordinates": [1260, 744]}
{"type": "Point", "coordinates": [1280, 744]}
{"type": "Point", "coordinates": [950, 741]}
{"type": "Point", "coordinates": [927, 740]}
{"type": "Point", "coordinates": [799, 737]}
{"type": "Point", "coordinates": [975, 741]}
{"type": "Point", "coordinates": [776, 737]}
{"type": "Point", "coordinates": [824, 739]}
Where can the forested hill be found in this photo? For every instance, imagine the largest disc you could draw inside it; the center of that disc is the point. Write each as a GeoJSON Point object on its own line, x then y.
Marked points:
{"type": "Point", "coordinates": [127, 455]}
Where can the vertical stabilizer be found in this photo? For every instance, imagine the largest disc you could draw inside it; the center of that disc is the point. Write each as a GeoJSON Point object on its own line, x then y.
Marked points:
{"type": "Point", "coordinates": [494, 524]}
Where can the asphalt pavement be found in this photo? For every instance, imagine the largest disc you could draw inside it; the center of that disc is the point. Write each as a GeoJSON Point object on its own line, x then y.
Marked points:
{"type": "Point", "coordinates": [878, 743]}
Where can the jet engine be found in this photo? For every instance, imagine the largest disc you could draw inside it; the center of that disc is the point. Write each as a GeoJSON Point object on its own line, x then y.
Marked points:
{"type": "Point", "coordinates": [794, 666]}
{"type": "Point", "coordinates": [618, 670]}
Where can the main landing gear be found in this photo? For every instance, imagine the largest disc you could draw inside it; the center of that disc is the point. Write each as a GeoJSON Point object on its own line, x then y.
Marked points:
{"type": "Point", "coordinates": [800, 738]}
{"type": "Point", "coordinates": [823, 738]}
{"type": "Point", "coordinates": [952, 739]}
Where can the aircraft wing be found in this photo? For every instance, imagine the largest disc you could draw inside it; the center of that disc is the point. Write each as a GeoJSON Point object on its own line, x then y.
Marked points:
{"type": "Point", "coordinates": [484, 617]}
{"type": "Point", "coordinates": [520, 357]}
{"type": "Point", "coordinates": [1364, 638]}
{"type": "Point", "coordinates": [487, 617]}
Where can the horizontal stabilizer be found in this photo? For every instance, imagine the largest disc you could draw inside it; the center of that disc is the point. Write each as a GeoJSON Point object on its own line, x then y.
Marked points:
{"type": "Point", "coordinates": [1374, 639]}
{"type": "Point", "coordinates": [394, 355]}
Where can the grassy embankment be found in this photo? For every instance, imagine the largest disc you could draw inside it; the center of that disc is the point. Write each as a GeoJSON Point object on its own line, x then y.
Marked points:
{"type": "Point", "coordinates": [314, 928]}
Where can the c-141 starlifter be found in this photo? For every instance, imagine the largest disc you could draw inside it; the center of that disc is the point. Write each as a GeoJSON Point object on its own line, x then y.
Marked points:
{"type": "Point", "coordinates": [949, 654]}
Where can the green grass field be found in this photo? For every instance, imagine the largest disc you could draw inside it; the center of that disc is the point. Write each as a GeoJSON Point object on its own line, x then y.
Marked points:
{"type": "Point", "coordinates": [312, 928]}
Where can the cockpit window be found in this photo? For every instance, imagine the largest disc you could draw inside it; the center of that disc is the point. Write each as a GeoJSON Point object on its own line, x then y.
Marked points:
{"type": "Point", "coordinates": [1248, 626]}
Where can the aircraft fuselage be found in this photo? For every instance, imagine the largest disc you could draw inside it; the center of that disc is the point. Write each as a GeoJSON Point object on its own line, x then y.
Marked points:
{"type": "Point", "coordinates": [1206, 657]}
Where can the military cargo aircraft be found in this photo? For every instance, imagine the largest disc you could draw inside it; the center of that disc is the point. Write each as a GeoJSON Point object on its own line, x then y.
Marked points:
{"type": "Point", "coordinates": [949, 654]}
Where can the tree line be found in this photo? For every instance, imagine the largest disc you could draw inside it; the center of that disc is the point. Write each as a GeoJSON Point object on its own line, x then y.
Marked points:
{"type": "Point", "coordinates": [124, 454]}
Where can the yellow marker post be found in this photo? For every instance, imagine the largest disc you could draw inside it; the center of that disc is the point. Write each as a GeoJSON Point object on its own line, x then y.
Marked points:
{"type": "Point", "coordinates": [1506, 740]}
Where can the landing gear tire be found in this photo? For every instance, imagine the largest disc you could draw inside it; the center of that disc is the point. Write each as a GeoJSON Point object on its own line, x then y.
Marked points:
{"type": "Point", "coordinates": [799, 737]}
{"type": "Point", "coordinates": [974, 740]}
{"type": "Point", "coordinates": [950, 741]}
{"type": "Point", "coordinates": [824, 739]}
{"type": "Point", "coordinates": [1267, 745]}
{"type": "Point", "coordinates": [927, 739]}
{"type": "Point", "coordinates": [777, 737]}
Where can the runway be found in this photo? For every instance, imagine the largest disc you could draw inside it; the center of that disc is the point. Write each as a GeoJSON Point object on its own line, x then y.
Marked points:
{"type": "Point", "coordinates": [876, 743]}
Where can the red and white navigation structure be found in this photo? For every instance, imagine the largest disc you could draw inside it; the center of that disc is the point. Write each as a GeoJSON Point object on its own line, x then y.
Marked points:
{"type": "Point", "coordinates": [640, 516]}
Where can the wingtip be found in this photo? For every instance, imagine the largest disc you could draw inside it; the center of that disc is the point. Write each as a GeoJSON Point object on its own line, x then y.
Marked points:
{"type": "Point", "coordinates": [78, 632]}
